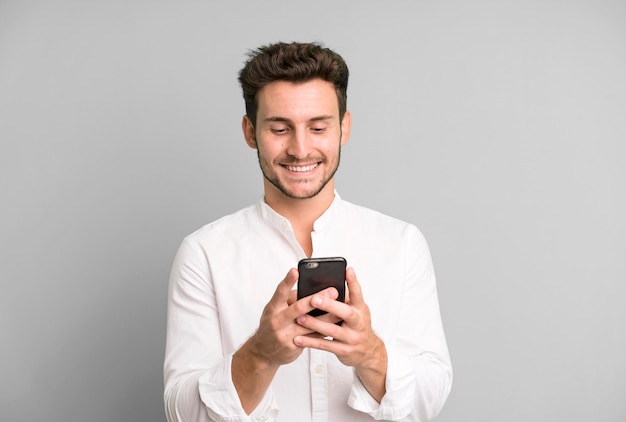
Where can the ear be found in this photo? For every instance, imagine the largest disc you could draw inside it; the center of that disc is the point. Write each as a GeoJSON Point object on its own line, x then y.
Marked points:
{"type": "Point", "coordinates": [346, 125]}
{"type": "Point", "coordinates": [248, 132]}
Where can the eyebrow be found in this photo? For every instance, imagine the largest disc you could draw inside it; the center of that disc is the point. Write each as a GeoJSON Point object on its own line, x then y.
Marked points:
{"type": "Point", "coordinates": [286, 120]}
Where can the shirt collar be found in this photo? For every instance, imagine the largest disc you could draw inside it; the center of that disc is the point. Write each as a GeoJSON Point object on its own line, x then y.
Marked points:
{"type": "Point", "coordinates": [328, 217]}
{"type": "Point", "coordinates": [281, 223]}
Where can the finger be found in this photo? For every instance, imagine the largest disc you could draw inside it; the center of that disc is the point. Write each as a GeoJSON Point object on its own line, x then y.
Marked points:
{"type": "Point", "coordinates": [327, 302]}
{"type": "Point", "coordinates": [318, 323]}
{"type": "Point", "coordinates": [306, 305]}
{"type": "Point", "coordinates": [300, 330]}
{"type": "Point", "coordinates": [321, 343]}
{"type": "Point", "coordinates": [293, 297]}
{"type": "Point", "coordinates": [329, 318]}
{"type": "Point", "coordinates": [281, 295]}
{"type": "Point", "coordinates": [351, 312]}
{"type": "Point", "coordinates": [347, 296]}
{"type": "Point", "coordinates": [325, 325]}
{"type": "Point", "coordinates": [354, 288]}
{"type": "Point", "coordinates": [314, 334]}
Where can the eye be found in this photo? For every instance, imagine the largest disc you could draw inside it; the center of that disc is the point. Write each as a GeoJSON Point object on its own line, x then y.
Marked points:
{"type": "Point", "coordinates": [278, 130]}
{"type": "Point", "coordinates": [318, 129]}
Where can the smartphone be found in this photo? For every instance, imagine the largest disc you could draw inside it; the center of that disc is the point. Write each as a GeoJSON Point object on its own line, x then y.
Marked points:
{"type": "Point", "coordinates": [319, 273]}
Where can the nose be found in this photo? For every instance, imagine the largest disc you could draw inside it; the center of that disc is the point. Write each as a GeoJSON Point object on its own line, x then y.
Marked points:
{"type": "Point", "coordinates": [299, 144]}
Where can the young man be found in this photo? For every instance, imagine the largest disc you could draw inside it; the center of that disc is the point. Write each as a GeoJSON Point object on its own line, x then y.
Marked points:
{"type": "Point", "coordinates": [240, 347]}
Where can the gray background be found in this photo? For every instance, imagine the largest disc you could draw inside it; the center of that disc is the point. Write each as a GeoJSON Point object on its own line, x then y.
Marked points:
{"type": "Point", "coordinates": [497, 127]}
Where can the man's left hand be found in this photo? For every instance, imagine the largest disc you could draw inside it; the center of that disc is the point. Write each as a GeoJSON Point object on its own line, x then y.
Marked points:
{"type": "Point", "coordinates": [353, 342]}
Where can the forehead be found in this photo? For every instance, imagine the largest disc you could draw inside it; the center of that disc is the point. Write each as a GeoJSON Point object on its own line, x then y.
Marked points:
{"type": "Point", "coordinates": [298, 100]}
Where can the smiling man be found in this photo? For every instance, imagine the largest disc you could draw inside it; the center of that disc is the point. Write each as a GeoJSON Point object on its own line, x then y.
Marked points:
{"type": "Point", "coordinates": [297, 138]}
{"type": "Point", "coordinates": [240, 346]}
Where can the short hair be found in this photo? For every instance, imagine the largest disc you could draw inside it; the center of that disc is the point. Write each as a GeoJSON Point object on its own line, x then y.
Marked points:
{"type": "Point", "coordinates": [293, 62]}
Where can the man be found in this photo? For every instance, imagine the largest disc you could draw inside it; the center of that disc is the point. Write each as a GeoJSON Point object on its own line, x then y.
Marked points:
{"type": "Point", "coordinates": [240, 347]}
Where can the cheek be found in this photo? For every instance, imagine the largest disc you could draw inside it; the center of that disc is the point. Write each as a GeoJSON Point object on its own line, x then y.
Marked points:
{"type": "Point", "coordinates": [270, 150]}
{"type": "Point", "coordinates": [332, 148]}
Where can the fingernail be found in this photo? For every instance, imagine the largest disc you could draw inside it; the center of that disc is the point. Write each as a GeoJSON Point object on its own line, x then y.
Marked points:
{"type": "Point", "coordinates": [298, 341]}
{"type": "Point", "coordinates": [316, 301]}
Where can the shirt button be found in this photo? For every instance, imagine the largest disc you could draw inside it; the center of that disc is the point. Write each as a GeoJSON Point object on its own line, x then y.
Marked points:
{"type": "Point", "coordinates": [319, 369]}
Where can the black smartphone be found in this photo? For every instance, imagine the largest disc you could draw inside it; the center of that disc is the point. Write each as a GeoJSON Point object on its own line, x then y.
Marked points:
{"type": "Point", "coordinates": [316, 274]}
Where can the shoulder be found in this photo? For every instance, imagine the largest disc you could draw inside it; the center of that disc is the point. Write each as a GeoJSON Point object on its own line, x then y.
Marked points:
{"type": "Point", "coordinates": [376, 221]}
{"type": "Point", "coordinates": [228, 226]}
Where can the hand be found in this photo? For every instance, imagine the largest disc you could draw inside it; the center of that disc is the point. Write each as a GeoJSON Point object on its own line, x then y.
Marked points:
{"type": "Point", "coordinates": [272, 345]}
{"type": "Point", "coordinates": [273, 341]}
{"type": "Point", "coordinates": [354, 342]}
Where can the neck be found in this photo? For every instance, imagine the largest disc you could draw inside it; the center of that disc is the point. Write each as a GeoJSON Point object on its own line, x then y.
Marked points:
{"type": "Point", "coordinates": [301, 213]}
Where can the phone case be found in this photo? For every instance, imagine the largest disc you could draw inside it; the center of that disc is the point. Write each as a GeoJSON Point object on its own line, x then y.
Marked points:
{"type": "Point", "coordinates": [319, 273]}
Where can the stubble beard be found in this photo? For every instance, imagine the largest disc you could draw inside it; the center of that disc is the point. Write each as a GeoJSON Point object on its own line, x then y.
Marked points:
{"type": "Point", "coordinates": [276, 182]}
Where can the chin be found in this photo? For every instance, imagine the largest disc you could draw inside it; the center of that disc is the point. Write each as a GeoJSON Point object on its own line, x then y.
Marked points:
{"type": "Point", "coordinates": [299, 193]}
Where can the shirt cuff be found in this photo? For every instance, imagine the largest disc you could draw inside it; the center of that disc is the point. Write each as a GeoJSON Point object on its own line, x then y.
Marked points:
{"type": "Point", "coordinates": [399, 398]}
{"type": "Point", "coordinates": [219, 395]}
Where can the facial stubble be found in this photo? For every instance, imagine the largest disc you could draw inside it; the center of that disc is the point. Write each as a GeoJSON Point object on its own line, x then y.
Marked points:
{"type": "Point", "coordinates": [283, 189]}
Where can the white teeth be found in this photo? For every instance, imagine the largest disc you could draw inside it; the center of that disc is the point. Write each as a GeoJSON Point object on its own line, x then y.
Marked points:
{"type": "Point", "coordinates": [302, 168]}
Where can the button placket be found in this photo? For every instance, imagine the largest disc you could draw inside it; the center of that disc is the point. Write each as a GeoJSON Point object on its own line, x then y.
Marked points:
{"type": "Point", "coordinates": [319, 386]}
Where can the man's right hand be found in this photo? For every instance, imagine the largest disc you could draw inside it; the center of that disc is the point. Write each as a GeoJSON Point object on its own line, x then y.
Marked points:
{"type": "Point", "coordinates": [256, 362]}
{"type": "Point", "coordinates": [272, 343]}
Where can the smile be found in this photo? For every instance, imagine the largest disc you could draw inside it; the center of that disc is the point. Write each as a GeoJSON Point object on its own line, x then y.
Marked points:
{"type": "Point", "coordinates": [302, 169]}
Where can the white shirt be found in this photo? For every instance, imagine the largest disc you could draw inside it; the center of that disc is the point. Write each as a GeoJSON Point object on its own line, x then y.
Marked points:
{"type": "Point", "coordinates": [226, 272]}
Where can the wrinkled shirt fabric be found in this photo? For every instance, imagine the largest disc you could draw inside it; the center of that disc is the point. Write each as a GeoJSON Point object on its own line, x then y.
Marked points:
{"type": "Point", "coordinates": [226, 272]}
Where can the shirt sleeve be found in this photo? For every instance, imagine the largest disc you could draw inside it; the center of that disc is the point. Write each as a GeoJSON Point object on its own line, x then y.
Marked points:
{"type": "Point", "coordinates": [419, 373]}
{"type": "Point", "coordinates": [197, 376]}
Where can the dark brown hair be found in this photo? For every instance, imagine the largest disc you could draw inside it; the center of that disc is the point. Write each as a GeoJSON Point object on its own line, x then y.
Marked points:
{"type": "Point", "coordinates": [293, 62]}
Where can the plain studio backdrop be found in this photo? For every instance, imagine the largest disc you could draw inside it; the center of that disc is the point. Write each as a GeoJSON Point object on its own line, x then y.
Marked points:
{"type": "Point", "coordinates": [497, 127]}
